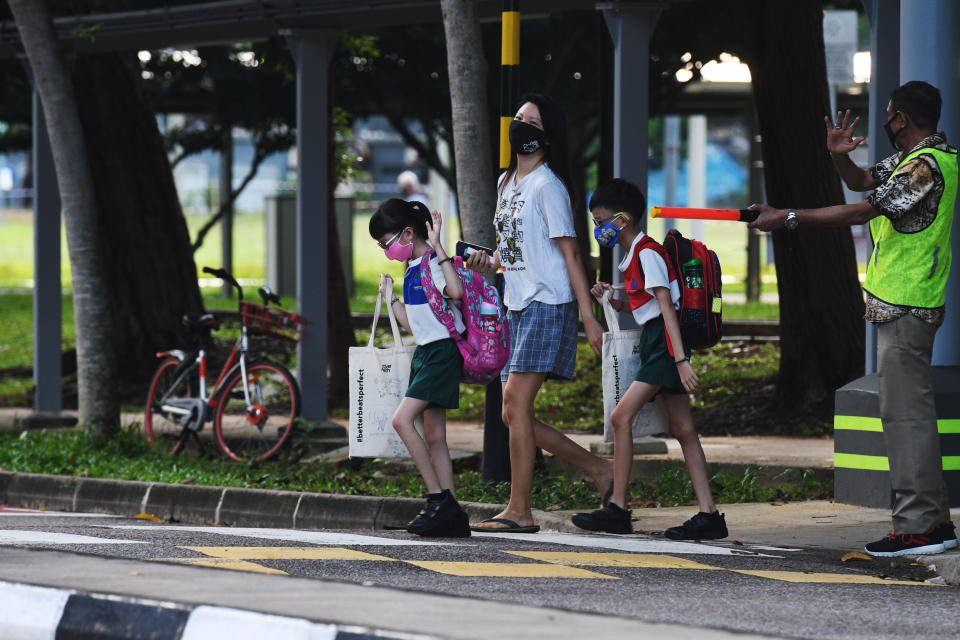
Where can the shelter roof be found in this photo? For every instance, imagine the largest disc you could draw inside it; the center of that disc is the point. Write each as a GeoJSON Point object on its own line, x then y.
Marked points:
{"type": "Point", "coordinates": [227, 21]}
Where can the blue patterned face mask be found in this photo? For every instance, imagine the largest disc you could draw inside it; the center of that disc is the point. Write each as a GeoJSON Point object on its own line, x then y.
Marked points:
{"type": "Point", "coordinates": [606, 232]}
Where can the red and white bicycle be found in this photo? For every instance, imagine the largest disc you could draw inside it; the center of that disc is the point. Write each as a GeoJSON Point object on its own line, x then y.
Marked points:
{"type": "Point", "coordinates": [253, 403]}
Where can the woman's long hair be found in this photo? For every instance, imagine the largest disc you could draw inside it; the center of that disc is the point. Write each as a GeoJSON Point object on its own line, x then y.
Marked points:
{"type": "Point", "coordinates": [555, 151]}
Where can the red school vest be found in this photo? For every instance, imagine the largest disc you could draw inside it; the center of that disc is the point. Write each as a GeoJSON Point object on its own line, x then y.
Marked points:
{"type": "Point", "coordinates": [634, 280]}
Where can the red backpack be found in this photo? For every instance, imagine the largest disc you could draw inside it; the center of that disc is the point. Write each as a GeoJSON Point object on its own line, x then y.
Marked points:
{"type": "Point", "coordinates": [700, 303]}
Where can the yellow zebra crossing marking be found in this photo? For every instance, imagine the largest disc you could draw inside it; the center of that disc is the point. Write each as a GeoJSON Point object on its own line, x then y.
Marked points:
{"type": "Point", "coordinates": [287, 553]}
{"type": "Point", "coordinates": [645, 561]}
{"type": "Point", "coordinates": [234, 565]}
{"type": "Point", "coordinates": [548, 564]}
{"type": "Point", "coordinates": [507, 570]}
{"type": "Point", "coordinates": [831, 578]}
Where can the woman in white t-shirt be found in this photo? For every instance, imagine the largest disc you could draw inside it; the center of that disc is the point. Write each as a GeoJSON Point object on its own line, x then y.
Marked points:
{"type": "Point", "coordinates": [544, 285]}
{"type": "Point", "coordinates": [403, 230]}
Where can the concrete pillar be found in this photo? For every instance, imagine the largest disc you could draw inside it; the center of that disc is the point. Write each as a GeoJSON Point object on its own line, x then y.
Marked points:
{"type": "Point", "coordinates": [312, 50]}
{"type": "Point", "coordinates": [884, 77]}
{"type": "Point", "coordinates": [47, 294]}
{"type": "Point", "coordinates": [671, 159]}
{"type": "Point", "coordinates": [697, 169]}
{"type": "Point", "coordinates": [929, 50]}
{"type": "Point", "coordinates": [631, 26]}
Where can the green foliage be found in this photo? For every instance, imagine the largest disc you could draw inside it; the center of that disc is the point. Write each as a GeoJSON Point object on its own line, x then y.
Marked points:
{"type": "Point", "coordinates": [128, 457]}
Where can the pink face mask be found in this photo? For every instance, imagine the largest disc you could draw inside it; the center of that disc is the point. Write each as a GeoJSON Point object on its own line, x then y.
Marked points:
{"type": "Point", "coordinates": [399, 252]}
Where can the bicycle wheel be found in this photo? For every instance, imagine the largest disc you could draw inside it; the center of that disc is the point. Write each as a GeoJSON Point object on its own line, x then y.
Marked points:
{"type": "Point", "coordinates": [258, 433]}
{"type": "Point", "coordinates": [164, 429]}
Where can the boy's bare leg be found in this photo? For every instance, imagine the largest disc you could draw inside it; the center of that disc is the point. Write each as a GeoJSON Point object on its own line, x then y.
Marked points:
{"type": "Point", "coordinates": [637, 395]}
{"type": "Point", "coordinates": [403, 417]}
{"type": "Point", "coordinates": [599, 470]}
{"type": "Point", "coordinates": [435, 433]}
{"type": "Point", "coordinates": [518, 394]}
{"type": "Point", "coordinates": [681, 428]}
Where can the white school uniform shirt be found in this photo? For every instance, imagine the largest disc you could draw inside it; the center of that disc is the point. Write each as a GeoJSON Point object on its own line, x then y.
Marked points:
{"type": "Point", "coordinates": [655, 274]}
{"type": "Point", "coordinates": [423, 324]}
{"type": "Point", "coordinates": [530, 214]}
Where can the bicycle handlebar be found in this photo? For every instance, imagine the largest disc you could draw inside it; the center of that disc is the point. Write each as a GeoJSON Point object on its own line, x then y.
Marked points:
{"type": "Point", "coordinates": [225, 275]}
{"type": "Point", "coordinates": [269, 296]}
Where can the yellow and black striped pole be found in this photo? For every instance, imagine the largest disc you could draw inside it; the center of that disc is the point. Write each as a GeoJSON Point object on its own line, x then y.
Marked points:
{"type": "Point", "coordinates": [509, 73]}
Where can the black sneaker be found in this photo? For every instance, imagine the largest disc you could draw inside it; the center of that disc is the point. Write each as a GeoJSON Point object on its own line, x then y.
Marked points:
{"type": "Point", "coordinates": [438, 512]}
{"type": "Point", "coordinates": [611, 519]}
{"type": "Point", "coordinates": [459, 527]}
{"type": "Point", "coordinates": [908, 544]}
{"type": "Point", "coordinates": [703, 526]}
{"type": "Point", "coordinates": [946, 533]}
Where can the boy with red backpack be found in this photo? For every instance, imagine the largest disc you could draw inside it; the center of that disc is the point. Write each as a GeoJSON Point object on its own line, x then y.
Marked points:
{"type": "Point", "coordinates": [653, 296]}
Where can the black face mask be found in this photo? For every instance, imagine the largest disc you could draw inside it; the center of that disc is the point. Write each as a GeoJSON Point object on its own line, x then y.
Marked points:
{"type": "Point", "coordinates": [526, 138]}
{"type": "Point", "coordinates": [890, 134]}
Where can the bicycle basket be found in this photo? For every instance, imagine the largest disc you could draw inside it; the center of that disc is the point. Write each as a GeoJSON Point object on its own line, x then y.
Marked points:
{"type": "Point", "coordinates": [270, 321]}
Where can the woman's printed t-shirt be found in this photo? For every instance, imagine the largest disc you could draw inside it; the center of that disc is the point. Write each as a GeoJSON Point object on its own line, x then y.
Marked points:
{"type": "Point", "coordinates": [530, 214]}
{"type": "Point", "coordinates": [423, 324]}
{"type": "Point", "coordinates": [646, 268]}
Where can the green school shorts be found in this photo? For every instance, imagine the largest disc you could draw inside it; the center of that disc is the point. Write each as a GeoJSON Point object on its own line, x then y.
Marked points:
{"type": "Point", "coordinates": [659, 367]}
{"type": "Point", "coordinates": [435, 374]}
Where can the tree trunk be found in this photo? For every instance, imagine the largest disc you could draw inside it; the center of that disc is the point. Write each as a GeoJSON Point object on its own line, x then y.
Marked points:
{"type": "Point", "coordinates": [467, 68]}
{"type": "Point", "coordinates": [92, 293]}
{"type": "Point", "coordinates": [821, 304]}
{"type": "Point", "coordinates": [149, 265]}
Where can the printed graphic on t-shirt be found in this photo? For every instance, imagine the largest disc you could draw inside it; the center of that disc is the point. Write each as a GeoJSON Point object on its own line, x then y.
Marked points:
{"type": "Point", "coordinates": [412, 289]}
{"type": "Point", "coordinates": [510, 231]}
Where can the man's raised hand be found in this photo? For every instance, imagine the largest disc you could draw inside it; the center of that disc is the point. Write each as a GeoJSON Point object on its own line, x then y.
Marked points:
{"type": "Point", "coordinates": [840, 138]}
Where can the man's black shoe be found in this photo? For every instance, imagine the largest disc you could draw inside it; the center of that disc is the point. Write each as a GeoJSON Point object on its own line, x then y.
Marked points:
{"type": "Point", "coordinates": [438, 512]}
{"type": "Point", "coordinates": [946, 533]}
{"type": "Point", "coordinates": [703, 526]}
{"type": "Point", "coordinates": [907, 544]}
{"type": "Point", "coordinates": [611, 519]}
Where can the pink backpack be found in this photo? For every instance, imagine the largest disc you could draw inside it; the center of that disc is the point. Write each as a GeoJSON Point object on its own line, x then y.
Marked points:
{"type": "Point", "coordinates": [484, 352]}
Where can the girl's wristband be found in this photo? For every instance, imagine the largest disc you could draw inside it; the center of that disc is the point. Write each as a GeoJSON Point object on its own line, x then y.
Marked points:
{"type": "Point", "coordinates": [685, 359]}
{"type": "Point", "coordinates": [394, 299]}
{"type": "Point", "coordinates": [447, 259]}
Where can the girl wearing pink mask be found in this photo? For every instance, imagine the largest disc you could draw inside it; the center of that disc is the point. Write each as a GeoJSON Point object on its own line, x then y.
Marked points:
{"type": "Point", "coordinates": [405, 231]}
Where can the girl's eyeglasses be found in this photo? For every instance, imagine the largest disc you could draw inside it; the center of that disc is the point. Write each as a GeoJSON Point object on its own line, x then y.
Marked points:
{"type": "Point", "coordinates": [389, 242]}
{"type": "Point", "coordinates": [600, 223]}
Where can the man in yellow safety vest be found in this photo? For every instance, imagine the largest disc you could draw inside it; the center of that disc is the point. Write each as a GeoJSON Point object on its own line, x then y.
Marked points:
{"type": "Point", "coordinates": [910, 214]}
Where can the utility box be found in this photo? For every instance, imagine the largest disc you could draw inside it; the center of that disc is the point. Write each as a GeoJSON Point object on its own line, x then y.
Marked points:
{"type": "Point", "coordinates": [281, 237]}
{"type": "Point", "coordinates": [861, 469]}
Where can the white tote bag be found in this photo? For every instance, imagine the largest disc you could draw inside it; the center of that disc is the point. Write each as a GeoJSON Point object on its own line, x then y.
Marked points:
{"type": "Point", "coordinates": [378, 381]}
{"type": "Point", "coordinates": [621, 361]}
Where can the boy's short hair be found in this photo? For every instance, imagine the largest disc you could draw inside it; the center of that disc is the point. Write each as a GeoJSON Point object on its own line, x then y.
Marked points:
{"type": "Point", "coordinates": [618, 195]}
{"type": "Point", "coordinates": [920, 100]}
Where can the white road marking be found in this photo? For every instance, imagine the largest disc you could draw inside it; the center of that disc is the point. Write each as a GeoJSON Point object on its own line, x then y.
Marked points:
{"type": "Point", "coordinates": [12, 536]}
{"type": "Point", "coordinates": [634, 545]}
{"type": "Point", "coordinates": [14, 511]}
{"type": "Point", "coordinates": [214, 622]}
{"type": "Point", "coordinates": [289, 535]}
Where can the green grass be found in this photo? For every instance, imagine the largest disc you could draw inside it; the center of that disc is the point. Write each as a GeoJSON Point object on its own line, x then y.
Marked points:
{"type": "Point", "coordinates": [128, 457]}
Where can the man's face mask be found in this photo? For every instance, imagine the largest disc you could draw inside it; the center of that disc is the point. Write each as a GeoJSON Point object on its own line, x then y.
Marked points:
{"type": "Point", "coordinates": [889, 131]}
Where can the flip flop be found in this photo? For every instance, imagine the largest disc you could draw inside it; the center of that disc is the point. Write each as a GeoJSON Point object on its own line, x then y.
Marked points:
{"type": "Point", "coordinates": [512, 527]}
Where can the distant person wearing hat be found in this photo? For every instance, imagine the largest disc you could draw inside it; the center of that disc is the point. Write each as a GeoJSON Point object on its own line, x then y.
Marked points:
{"type": "Point", "coordinates": [409, 186]}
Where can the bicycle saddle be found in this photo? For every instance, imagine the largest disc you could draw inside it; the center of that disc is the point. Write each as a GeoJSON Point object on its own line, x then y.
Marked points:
{"type": "Point", "coordinates": [196, 322]}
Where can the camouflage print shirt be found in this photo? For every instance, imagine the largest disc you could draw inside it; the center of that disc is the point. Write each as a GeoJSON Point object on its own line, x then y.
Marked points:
{"type": "Point", "coordinates": [910, 201]}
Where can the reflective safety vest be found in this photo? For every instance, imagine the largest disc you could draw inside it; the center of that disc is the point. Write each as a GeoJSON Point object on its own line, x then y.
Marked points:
{"type": "Point", "coordinates": [910, 269]}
